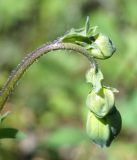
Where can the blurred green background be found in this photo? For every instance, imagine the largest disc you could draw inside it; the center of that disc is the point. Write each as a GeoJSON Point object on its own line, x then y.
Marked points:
{"type": "Point", "coordinates": [49, 102]}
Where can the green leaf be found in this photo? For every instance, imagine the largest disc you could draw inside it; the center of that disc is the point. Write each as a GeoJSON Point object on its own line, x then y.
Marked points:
{"type": "Point", "coordinates": [74, 37]}
{"type": "Point", "coordinates": [93, 31]}
{"type": "Point", "coordinates": [95, 78]}
{"type": "Point", "coordinates": [80, 35]}
{"type": "Point", "coordinates": [87, 25]}
{"type": "Point", "coordinates": [4, 116]}
{"type": "Point", "coordinates": [11, 133]}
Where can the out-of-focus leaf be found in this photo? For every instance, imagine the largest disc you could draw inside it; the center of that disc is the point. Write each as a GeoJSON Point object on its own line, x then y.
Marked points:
{"type": "Point", "coordinates": [128, 108]}
{"type": "Point", "coordinates": [65, 136]}
{"type": "Point", "coordinates": [11, 133]}
{"type": "Point", "coordinates": [13, 10]}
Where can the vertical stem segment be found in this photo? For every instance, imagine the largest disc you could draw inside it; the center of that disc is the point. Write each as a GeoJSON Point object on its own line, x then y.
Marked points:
{"type": "Point", "coordinates": [30, 59]}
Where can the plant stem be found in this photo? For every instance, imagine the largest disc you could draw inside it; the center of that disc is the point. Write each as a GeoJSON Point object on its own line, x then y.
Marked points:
{"type": "Point", "coordinates": [31, 58]}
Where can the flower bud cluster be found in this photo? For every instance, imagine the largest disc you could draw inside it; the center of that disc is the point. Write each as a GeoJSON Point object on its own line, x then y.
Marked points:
{"type": "Point", "coordinates": [98, 44]}
{"type": "Point", "coordinates": [103, 120]}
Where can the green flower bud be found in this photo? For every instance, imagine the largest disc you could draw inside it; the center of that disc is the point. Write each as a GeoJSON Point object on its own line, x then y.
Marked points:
{"type": "Point", "coordinates": [101, 103]}
{"type": "Point", "coordinates": [103, 47]}
{"type": "Point", "coordinates": [103, 131]}
{"type": "Point", "coordinates": [98, 130]}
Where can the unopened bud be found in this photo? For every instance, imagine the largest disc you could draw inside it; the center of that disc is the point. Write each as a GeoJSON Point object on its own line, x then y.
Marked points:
{"type": "Point", "coordinates": [101, 103]}
{"type": "Point", "coordinates": [98, 130]}
{"type": "Point", "coordinates": [103, 47]}
{"type": "Point", "coordinates": [102, 131]}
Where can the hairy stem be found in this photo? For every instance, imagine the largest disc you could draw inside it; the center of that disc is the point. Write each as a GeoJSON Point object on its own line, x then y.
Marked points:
{"type": "Point", "coordinates": [31, 58]}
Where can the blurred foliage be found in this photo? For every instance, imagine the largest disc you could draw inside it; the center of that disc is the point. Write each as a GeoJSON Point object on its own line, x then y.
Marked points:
{"type": "Point", "coordinates": [49, 102]}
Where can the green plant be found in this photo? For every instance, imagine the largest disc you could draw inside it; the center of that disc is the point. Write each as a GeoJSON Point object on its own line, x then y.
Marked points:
{"type": "Point", "coordinates": [104, 120]}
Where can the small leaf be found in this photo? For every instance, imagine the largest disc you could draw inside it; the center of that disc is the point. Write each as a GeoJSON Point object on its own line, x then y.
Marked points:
{"type": "Point", "coordinates": [73, 38]}
{"type": "Point", "coordinates": [79, 34]}
{"type": "Point", "coordinates": [93, 31]}
{"type": "Point", "coordinates": [112, 89]}
{"type": "Point", "coordinates": [87, 25]}
{"type": "Point", "coordinates": [95, 78]}
{"type": "Point", "coordinates": [4, 116]}
{"type": "Point", "coordinates": [11, 133]}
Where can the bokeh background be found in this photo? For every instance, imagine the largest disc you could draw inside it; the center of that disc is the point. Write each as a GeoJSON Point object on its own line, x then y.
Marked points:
{"type": "Point", "coordinates": [49, 102]}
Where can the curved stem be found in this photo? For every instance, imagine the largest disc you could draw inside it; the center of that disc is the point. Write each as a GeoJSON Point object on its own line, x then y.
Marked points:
{"type": "Point", "coordinates": [31, 58]}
